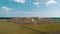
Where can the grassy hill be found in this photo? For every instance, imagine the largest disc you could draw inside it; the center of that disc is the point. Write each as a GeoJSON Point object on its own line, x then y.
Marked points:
{"type": "Point", "coordinates": [12, 28]}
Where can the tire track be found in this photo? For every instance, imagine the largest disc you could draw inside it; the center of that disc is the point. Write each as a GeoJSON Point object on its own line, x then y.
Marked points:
{"type": "Point", "coordinates": [34, 30]}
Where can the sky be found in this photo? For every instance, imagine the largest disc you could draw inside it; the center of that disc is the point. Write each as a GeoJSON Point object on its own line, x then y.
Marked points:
{"type": "Point", "coordinates": [29, 8]}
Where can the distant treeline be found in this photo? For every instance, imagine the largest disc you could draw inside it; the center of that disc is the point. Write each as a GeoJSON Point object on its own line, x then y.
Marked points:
{"type": "Point", "coordinates": [56, 18]}
{"type": "Point", "coordinates": [14, 17]}
{"type": "Point", "coordinates": [6, 17]}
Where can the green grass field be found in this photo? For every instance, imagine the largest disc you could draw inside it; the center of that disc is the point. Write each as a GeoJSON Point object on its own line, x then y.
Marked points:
{"type": "Point", "coordinates": [12, 28]}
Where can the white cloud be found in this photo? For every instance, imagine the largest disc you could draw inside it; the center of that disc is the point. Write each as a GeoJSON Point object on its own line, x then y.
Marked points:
{"type": "Point", "coordinates": [49, 2]}
{"type": "Point", "coordinates": [5, 9]}
{"type": "Point", "coordinates": [37, 3]}
{"type": "Point", "coordinates": [20, 1]}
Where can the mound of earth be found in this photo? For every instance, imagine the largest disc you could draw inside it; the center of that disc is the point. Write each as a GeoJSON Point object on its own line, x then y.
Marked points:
{"type": "Point", "coordinates": [33, 20]}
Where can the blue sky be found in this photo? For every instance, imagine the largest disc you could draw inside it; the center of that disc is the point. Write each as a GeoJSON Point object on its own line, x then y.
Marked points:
{"type": "Point", "coordinates": [29, 8]}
